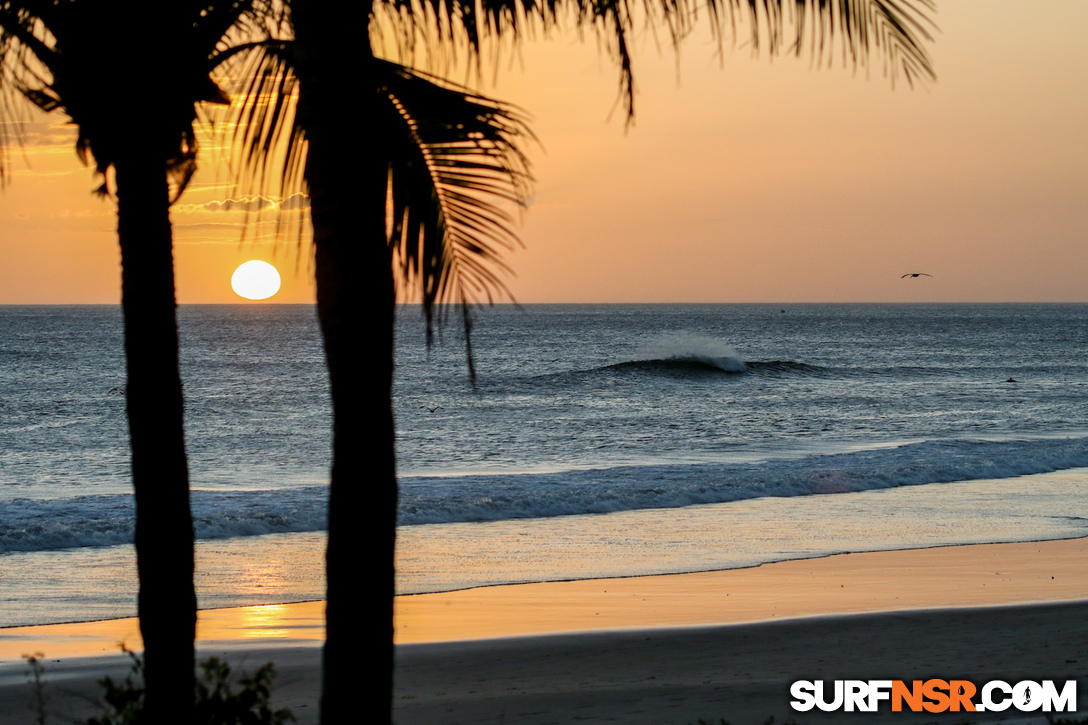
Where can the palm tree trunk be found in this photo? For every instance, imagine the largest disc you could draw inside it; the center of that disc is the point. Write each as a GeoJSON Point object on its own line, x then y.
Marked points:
{"type": "Point", "coordinates": [347, 173]}
{"type": "Point", "coordinates": [164, 525]}
{"type": "Point", "coordinates": [355, 303]}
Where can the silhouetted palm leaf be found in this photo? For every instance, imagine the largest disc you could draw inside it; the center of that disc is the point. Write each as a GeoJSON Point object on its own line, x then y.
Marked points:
{"type": "Point", "coordinates": [892, 30]}
{"type": "Point", "coordinates": [71, 56]}
{"type": "Point", "coordinates": [456, 170]}
{"type": "Point", "coordinates": [268, 145]}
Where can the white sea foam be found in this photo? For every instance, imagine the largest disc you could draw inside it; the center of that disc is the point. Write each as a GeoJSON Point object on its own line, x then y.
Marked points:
{"type": "Point", "coordinates": [691, 347]}
{"type": "Point", "coordinates": [624, 488]}
{"type": "Point", "coordinates": [105, 520]}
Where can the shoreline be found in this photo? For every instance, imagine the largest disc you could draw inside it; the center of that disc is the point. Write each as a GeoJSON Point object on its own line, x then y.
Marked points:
{"type": "Point", "coordinates": [744, 567]}
{"type": "Point", "coordinates": [816, 557]}
{"type": "Point", "coordinates": [938, 577]}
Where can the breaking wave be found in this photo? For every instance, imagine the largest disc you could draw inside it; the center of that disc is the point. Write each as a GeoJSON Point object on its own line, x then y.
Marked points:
{"type": "Point", "coordinates": [106, 520]}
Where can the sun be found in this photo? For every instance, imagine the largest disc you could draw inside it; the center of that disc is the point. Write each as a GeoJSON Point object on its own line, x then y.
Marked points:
{"type": "Point", "coordinates": [255, 280]}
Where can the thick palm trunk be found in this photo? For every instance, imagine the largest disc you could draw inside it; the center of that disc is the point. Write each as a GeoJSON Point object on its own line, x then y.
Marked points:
{"type": "Point", "coordinates": [164, 526]}
{"type": "Point", "coordinates": [355, 308]}
{"type": "Point", "coordinates": [355, 303]}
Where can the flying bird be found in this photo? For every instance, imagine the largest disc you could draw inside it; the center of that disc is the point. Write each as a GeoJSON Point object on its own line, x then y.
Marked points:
{"type": "Point", "coordinates": [915, 274]}
{"type": "Point", "coordinates": [426, 407]}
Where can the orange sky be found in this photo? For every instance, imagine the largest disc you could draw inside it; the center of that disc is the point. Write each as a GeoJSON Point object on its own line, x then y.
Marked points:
{"type": "Point", "coordinates": [744, 182]}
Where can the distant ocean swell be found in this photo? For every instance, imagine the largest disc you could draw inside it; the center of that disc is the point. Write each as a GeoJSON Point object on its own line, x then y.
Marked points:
{"type": "Point", "coordinates": [687, 354]}
{"type": "Point", "coordinates": [44, 525]}
{"type": "Point", "coordinates": [691, 364]}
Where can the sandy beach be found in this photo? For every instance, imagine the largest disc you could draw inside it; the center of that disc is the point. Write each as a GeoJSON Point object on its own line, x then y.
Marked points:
{"type": "Point", "coordinates": [661, 649]}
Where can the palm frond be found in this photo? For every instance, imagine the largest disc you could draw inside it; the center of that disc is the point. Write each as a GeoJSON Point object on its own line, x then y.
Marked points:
{"type": "Point", "coordinates": [268, 144]}
{"type": "Point", "coordinates": [457, 171]}
{"type": "Point", "coordinates": [54, 53]}
{"type": "Point", "coordinates": [893, 30]}
{"type": "Point", "coordinates": [24, 60]}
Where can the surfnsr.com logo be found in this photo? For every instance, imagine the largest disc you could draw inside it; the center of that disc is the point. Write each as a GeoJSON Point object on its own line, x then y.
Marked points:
{"type": "Point", "coordinates": [933, 695]}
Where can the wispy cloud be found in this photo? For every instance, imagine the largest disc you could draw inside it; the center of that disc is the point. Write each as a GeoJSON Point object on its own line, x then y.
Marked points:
{"type": "Point", "coordinates": [249, 204]}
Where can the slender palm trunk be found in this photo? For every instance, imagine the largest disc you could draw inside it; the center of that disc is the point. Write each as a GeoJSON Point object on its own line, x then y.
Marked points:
{"type": "Point", "coordinates": [164, 525]}
{"type": "Point", "coordinates": [355, 304]}
{"type": "Point", "coordinates": [355, 308]}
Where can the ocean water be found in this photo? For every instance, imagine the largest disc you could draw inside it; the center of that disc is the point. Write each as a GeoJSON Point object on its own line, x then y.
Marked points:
{"type": "Point", "coordinates": [597, 440]}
